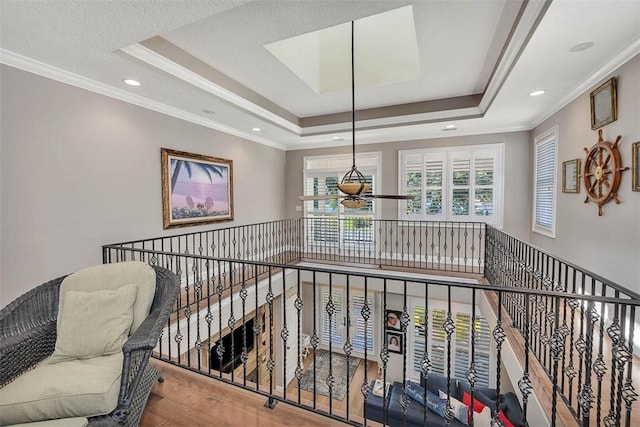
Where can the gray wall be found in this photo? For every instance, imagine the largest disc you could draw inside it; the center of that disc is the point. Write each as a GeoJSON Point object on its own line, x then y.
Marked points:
{"type": "Point", "coordinates": [79, 170]}
{"type": "Point", "coordinates": [608, 245]}
{"type": "Point", "coordinates": [518, 170]}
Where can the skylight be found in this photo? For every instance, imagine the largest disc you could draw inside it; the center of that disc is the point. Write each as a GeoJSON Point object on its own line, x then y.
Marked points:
{"type": "Point", "coordinates": [386, 51]}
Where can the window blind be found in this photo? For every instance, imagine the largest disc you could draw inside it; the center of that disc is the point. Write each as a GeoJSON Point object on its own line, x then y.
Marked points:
{"type": "Point", "coordinates": [453, 183]}
{"type": "Point", "coordinates": [332, 334]}
{"type": "Point", "coordinates": [363, 331]}
{"type": "Point", "coordinates": [322, 175]}
{"type": "Point", "coordinates": [545, 183]}
{"type": "Point", "coordinates": [462, 343]}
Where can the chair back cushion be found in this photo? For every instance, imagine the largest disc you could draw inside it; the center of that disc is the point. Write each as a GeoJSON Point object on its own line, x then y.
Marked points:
{"type": "Point", "coordinates": [92, 324]}
{"type": "Point", "coordinates": [114, 276]}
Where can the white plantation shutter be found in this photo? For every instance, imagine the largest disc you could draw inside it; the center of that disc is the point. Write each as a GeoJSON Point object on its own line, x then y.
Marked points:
{"type": "Point", "coordinates": [545, 184]}
{"type": "Point", "coordinates": [457, 183]}
{"type": "Point", "coordinates": [363, 331]}
{"type": "Point", "coordinates": [322, 175]}
{"type": "Point", "coordinates": [433, 185]}
{"type": "Point", "coordinates": [462, 337]}
{"type": "Point", "coordinates": [357, 325]}
{"type": "Point", "coordinates": [320, 185]}
{"type": "Point", "coordinates": [438, 341]}
{"type": "Point", "coordinates": [461, 343]}
{"type": "Point", "coordinates": [482, 354]}
{"type": "Point", "coordinates": [419, 316]}
{"type": "Point", "coordinates": [484, 168]}
{"type": "Point", "coordinates": [333, 334]}
{"type": "Point", "coordinates": [413, 182]}
{"type": "Point", "coordinates": [460, 185]}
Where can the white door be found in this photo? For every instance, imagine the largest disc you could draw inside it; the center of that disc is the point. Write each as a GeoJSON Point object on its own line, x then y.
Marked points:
{"type": "Point", "coordinates": [361, 327]}
{"type": "Point", "coordinates": [292, 340]}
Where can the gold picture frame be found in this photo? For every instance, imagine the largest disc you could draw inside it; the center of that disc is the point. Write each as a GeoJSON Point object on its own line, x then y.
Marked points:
{"type": "Point", "coordinates": [604, 104]}
{"type": "Point", "coordinates": [571, 176]}
{"type": "Point", "coordinates": [196, 189]}
{"type": "Point", "coordinates": [635, 166]}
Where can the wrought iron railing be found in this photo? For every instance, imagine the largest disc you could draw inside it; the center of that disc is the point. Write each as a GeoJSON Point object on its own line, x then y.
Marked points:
{"type": "Point", "coordinates": [585, 345]}
{"type": "Point", "coordinates": [248, 315]}
{"type": "Point", "coordinates": [434, 245]}
{"type": "Point", "coordinates": [275, 241]}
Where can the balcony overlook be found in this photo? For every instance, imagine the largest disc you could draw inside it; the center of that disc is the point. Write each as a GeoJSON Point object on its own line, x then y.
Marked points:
{"type": "Point", "coordinates": [321, 313]}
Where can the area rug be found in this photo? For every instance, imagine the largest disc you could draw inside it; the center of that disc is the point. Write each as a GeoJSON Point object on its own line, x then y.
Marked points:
{"type": "Point", "coordinates": [338, 363]}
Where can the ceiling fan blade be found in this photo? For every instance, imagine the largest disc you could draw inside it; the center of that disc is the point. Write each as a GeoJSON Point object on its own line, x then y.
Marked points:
{"type": "Point", "coordinates": [389, 196]}
{"type": "Point", "coordinates": [322, 197]}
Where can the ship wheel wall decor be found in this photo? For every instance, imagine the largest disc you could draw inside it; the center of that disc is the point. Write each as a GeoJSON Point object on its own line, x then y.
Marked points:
{"type": "Point", "coordinates": [602, 172]}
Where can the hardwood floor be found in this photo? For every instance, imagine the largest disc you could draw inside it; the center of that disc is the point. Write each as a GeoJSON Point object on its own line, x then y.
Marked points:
{"type": "Point", "coordinates": [338, 407]}
{"type": "Point", "coordinates": [543, 388]}
{"type": "Point", "coordinates": [190, 399]}
{"type": "Point", "coordinates": [186, 398]}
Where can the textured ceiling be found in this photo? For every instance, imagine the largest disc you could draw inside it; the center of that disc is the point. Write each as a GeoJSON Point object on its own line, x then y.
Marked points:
{"type": "Point", "coordinates": [478, 61]}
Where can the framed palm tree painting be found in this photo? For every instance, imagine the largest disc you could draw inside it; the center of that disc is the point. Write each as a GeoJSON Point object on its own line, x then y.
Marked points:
{"type": "Point", "coordinates": [196, 189]}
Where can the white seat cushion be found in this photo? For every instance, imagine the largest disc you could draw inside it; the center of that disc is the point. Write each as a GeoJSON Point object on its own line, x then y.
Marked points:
{"type": "Point", "coordinates": [75, 388]}
{"type": "Point", "coordinates": [114, 276]}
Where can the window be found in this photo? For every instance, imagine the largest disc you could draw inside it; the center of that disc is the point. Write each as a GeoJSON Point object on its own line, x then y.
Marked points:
{"type": "Point", "coordinates": [544, 192]}
{"type": "Point", "coordinates": [331, 223]}
{"type": "Point", "coordinates": [453, 184]}
{"type": "Point", "coordinates": [361, 332]}
{"type": "Point", "coordinates": [322, 174]}
{"type": "Point", "coordinates": [435, 344]}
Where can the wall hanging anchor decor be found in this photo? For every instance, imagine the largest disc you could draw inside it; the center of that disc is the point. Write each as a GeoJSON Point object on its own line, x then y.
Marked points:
{"type": "Point", "coordinates": [602, 172]}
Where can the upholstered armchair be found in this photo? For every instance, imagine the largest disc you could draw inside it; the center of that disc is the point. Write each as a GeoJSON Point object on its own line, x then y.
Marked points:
{"type": "Point", "coordinates": [77, 348]}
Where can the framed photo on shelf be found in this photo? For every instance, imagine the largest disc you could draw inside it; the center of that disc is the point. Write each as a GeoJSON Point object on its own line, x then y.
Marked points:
{"type": "Point", "coordinates": [604, 104]}
{"type": "Point", "coordinates": [393, 320]}
{"type": "Point", "coordinates": [196, 189]}
{"type": "Point", "coordinates": [394, 342]}
{"type": "Point", "coordinates": [571, 176]}
{"type": "Point", "coordinates": [635, 166]}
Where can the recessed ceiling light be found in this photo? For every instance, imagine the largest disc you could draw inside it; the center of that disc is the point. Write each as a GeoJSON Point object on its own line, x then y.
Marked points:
{"type": "Point", "coordinates": [207, 111]}
{"type": "Point", "coordinates": [536, 92]}
{"type": "Point", "coordinates": [131, 82]}
{"type": "Point", "coordinates": [256, 129]}
{"type": "Point", "coordinates": [338, 138]}
{"type": "Point", "coordinates": [580, 47]}
{"type": "Point", "coordinates": [449, 127]}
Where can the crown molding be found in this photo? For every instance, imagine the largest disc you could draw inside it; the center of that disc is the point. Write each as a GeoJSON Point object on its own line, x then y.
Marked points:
{"type": "Point", "coordinates": [414, 133]}
{"type": "Point", "coordinates": [528, 21]}
{"type": "Point", "coordinates": [616, 62]}
{"type": "Point", "coordinates": [30, 65]}
{"type": "Point", "coordinates": [174, 69]}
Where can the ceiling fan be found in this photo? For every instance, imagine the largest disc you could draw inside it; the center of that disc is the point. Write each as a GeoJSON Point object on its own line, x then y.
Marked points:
{"type": "Point", "coordinates": [353, 185]}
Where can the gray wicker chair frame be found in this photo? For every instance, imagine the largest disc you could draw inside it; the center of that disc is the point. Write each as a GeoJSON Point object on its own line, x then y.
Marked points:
{"type": "Point", "coordinates": [28, 336]}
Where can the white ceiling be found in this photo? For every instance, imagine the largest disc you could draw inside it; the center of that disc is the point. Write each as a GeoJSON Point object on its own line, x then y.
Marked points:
{"type": "Point", "coordinates": [479, 60]}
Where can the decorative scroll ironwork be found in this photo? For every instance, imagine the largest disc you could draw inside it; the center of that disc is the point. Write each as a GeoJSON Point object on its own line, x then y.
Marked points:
{"type": "Point", "coordinates": [547, 314]}
{"type": "Point", "coordinates": [499, 334]}
{"type": "Point", "coordinates": [585, 399]}
{"type": "Point", "coordinates": [472, 375]}
{"type": "Point", "coordinates": [364, 388]}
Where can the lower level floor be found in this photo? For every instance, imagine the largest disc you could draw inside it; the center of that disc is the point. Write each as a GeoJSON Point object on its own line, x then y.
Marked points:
{"type": "Point", "coordinates": [189, 398]}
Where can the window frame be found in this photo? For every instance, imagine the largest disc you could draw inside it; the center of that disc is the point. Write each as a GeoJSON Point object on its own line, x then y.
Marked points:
{"type": "Point", "coordinates": [447, 155]}
{"type": "Point", "coordinates": [545, 137]}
